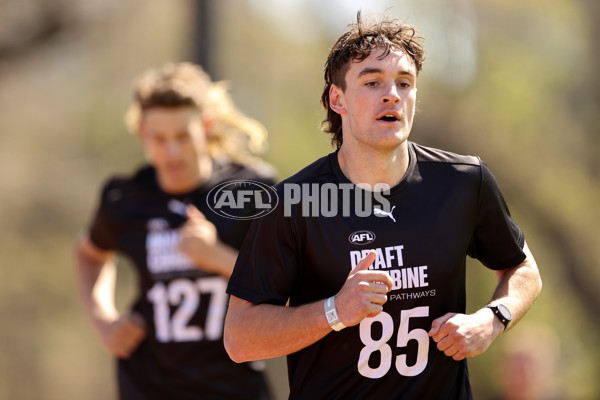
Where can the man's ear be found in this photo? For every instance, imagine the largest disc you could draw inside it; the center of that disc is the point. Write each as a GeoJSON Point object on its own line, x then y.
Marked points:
{"type": "Point", "coordinates": [208, 122]}
{"type": "Point", "coordinates": [142, 134]}
{"type": "Point", "coordinates": [140, 131]}
{"type": "Point", "coordinates": [336, 99]}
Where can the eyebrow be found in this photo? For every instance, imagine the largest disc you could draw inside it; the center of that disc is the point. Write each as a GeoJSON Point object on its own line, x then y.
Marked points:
{"type": "Point", "coordinates": [367, 71]}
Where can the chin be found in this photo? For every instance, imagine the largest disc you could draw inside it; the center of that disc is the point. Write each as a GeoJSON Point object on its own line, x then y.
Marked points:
{"type": "Point", "coordinates": [390, 142]}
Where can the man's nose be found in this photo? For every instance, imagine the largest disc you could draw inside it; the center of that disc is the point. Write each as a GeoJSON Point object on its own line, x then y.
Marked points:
{"type": "Point", "coordinates": [391, 94]}
{"type": "Point", "coordinates": [173, 149]}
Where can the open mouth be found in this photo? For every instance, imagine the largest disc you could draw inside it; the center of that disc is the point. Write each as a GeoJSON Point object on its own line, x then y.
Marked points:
{"type": "Point", "coordinates": [389, 118]}
{"type": "Point", "coordinates": [175, 168]}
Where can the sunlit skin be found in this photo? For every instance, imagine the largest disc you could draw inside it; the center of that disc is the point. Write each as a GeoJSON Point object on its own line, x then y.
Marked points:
{"type": "Point", "coordinates": [376, 88]}
{"type": "Point", "coordinates": [377, 108]}
{"type": "Point", "coordinates": [175, 142]}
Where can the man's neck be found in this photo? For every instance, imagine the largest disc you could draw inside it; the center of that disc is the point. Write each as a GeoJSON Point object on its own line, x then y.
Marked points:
{"type": "Point", "coordinates": [371, 166]}
{"type": "Point", "coordinates": [203, 173]}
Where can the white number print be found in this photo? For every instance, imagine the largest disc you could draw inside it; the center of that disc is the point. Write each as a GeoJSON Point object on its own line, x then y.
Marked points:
{"type": "Point", "coordinates": [185, 295]}
{"type": "Point", "coordinates": [385, 351]}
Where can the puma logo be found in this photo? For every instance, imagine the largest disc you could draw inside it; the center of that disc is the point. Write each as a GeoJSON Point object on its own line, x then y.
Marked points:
{"type": "Point", "coordinates": [177, 207]}
{"type": "Point", "coordinates": [379, 211]}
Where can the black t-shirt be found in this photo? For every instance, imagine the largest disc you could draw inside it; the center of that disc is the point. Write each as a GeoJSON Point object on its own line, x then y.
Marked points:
{"type": "Point", "coordinates": [183, 356]}
{"type": "Point", "coordinates": [446, 207]}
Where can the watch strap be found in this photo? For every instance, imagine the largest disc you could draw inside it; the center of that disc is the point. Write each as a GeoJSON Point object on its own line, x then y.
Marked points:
{"type": "Point", "coordinates": [504, 319]}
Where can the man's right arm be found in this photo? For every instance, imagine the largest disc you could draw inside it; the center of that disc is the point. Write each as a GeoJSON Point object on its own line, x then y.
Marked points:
{"type": "Point", "coordinates": [96, 277]}
{"type": "Point", "coordinates": [261, 331]}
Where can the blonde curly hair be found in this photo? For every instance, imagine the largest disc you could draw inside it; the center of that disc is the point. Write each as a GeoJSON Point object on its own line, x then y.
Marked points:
{"type": "Point", "coordinates": [232, 134]}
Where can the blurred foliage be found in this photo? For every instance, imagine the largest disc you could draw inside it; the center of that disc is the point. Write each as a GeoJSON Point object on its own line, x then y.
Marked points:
{"type": "Point", "coordinates": [514, 82]}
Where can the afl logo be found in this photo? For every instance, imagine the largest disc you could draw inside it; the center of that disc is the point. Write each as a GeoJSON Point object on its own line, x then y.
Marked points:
{"type": "Point", "coordinates": [242, 199]}
{"type": "Point", "coordinates": [361, 237]}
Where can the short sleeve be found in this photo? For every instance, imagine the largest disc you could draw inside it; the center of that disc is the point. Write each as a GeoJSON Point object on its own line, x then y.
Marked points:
{"type": "Point", "coordinates": [101, 229]}
{"type": "Point", "coordinates": [268, 261]}
{"type": "Point", "coordinates": [497, 240]}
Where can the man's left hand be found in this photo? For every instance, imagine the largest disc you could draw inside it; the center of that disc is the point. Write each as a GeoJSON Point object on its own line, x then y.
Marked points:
{"type": "Point", "coordinates": [465, 335]}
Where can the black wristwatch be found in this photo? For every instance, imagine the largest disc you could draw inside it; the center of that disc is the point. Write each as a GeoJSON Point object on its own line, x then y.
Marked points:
{"type": "Point", "coordinates": [502, 313]}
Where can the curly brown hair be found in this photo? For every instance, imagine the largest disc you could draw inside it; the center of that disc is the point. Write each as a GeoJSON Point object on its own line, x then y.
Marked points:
{"type": "Point", "coordinates": [356, 44]}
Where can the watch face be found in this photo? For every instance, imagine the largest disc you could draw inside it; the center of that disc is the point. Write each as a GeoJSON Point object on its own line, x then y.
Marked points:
{"type": "Point", "coordinates": [505, 312]}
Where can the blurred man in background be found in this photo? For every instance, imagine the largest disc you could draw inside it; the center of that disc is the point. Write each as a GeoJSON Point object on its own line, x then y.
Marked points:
{"type": "Point", "coordinates": [377, 298]}
{"type": "Point", "coordinates": [170, 345]}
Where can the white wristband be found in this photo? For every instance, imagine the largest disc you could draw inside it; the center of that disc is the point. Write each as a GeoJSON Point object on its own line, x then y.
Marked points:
{"type": "Point", "coordinates": [332, 315]}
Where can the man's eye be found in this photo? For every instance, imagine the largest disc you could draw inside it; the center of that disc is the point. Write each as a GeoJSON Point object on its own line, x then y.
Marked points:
{"type": "Point", "coordinates": [371, 84]}
{"type": "Point", "coordinates": [404, 85]}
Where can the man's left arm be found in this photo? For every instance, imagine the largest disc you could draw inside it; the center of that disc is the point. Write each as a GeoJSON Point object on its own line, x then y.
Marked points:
{"type": "Point", "coordinates": [460, 335]}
